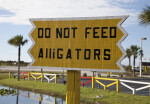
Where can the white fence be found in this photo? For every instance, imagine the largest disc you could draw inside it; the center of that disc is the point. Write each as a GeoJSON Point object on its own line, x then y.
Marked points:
{"type": "Point", "coordinates": [124, 83]}
{"type": "Point", "coordinates": [50, 77]}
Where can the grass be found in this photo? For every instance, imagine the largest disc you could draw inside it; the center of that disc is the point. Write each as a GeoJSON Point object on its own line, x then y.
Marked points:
{"type": "Point", "coordinates": [87, 95]}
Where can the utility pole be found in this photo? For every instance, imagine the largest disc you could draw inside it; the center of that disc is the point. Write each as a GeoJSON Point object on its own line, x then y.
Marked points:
{"type": "Point", "coordinates": [141, 57]}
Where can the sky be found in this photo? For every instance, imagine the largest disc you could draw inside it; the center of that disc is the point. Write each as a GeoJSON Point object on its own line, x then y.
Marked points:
{"type": "Point", "coordinates": [15, 14]}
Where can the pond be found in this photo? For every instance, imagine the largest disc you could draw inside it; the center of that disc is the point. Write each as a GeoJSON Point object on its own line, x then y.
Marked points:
{"type": "Point", "coordinates": [17, 96]}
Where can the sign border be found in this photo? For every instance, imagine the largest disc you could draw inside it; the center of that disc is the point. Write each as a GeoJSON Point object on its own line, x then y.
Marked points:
{"type": "Point", "coordinates": [123, 18]}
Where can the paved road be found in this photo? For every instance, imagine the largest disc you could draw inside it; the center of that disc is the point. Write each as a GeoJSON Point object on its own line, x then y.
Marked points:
{"type": "Point", "coordinates": [89, 73]}
{"type": "Point", "coordinates": [14, 68]}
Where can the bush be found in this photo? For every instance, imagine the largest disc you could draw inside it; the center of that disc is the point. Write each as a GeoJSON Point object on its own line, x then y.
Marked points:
{"type": "Point", "coordinates": [128, 68]}
{"type": "Point", "coordinates": [85, 75]}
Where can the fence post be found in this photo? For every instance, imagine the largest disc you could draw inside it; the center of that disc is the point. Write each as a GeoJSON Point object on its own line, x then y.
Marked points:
{"type": "Point", "coordinates": [29, 76]}
{"type": "Point", "coordinates": [9, 75]}
{"type": "Point", "coordinates": [104, 87]}
{"type": "Point", "coordinates": [117, 85]}
{"type": "Point", "coordinates": [92, 82]}
{"type": "Point", "coordinates": [41, 77]}
{"type": "Point", "coordinates": [145, 68]}
{"type": "Point", "coordinates": [55, 79]}
{"type": "Point", "coordinates": [133, 91]}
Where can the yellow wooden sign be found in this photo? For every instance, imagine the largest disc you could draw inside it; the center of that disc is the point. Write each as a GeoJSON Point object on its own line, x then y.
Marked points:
{"type": "Point", "coordinates": [91, 43]}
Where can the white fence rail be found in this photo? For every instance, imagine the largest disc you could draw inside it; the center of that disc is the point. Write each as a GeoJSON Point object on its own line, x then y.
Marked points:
{"type": "Point", "coordinates": [146, 85]}
{"type": "Point", "coordinates": [49, 77]}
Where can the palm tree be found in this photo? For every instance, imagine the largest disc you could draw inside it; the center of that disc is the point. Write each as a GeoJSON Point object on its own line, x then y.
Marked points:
{"type": "Point", "coordinates": [134, 51]}
{"type": "Point", "coordinates": [141, 52]}
{"type": "Point", "coordinates": [145, 16]}
{"type": "Point", "coordinates": [18, 41]}
{"type": "Point", "coordinates": [129, 54]}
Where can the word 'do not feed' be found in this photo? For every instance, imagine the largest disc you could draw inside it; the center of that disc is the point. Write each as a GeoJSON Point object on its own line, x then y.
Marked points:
{"type": "Point", "coordinates": [97, 32]}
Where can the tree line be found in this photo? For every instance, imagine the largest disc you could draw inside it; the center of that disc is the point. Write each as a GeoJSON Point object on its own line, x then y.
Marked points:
{"type": "Point", "coordinates": [13, 63]}
{"type": "Point", "coordinates": [134, 51]}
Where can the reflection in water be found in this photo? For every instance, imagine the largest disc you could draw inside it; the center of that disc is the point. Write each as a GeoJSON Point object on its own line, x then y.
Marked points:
{"type": "Point", "coordinates": [17, 96]}
{"type": "Point", "coordinates": [5, 92]}
{"type": "Point", "coordinates": [28, 97]}
{"type": "Point", "coordinates": [44, 98]}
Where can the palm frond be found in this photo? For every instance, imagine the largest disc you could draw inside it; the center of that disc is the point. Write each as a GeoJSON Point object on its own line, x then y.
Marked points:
{"type": "Point", "coordinates": [129, 53]}
{"type": "Point", "coordinates": [134, 50]}
{"type": "Point", "coordinates": [17, 40]}
{"type": "Point", "coordinates": [24, 42]}
{"type": "Point", "coordinates": [145, 16]}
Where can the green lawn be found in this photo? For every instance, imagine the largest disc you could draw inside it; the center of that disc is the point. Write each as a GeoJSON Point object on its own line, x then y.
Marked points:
{"type": "Point", "coordinates": [88, 95]}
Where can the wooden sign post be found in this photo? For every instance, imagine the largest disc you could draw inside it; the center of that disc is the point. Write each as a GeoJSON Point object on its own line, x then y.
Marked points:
{"type": "Point", "coordinates": [73, 87]}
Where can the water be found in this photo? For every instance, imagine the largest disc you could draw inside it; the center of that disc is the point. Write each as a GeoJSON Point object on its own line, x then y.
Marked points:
{"type": "Point", "coordinates": [28, 97]}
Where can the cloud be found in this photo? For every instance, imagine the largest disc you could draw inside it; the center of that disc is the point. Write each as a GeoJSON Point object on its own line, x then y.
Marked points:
{"type": "Point", "coordinates": [126, 1]}
{"type": "Point", "coordinates": [25, 9]}
{"type": "Point", "coordinates": [5, 13]}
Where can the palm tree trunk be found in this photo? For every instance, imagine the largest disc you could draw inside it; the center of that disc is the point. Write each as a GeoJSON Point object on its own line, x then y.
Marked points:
{"type": "Point", "coordinates": [17, 96]}
{"type": "Point", "coordinates": [19, 48]}
{"type": "Point", "coordinates": [134, 66]}
{"type": "Point", "coordinates": [130, 63]}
